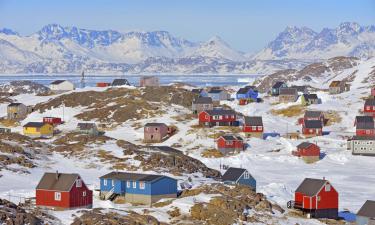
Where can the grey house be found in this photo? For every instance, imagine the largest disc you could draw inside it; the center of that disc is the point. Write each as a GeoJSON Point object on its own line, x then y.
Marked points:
{"type": "Point", "coordinates": [308, 99]}
{"type": "Point", "coordinates": [87, 128]}
{"type": "Point", "coordinates": [218, 95]}
{"type": "Point", "coordinates": [366, 214]}
{"type": "Point", "coordinates": [362, 145]}
{"type": "Point", "coordinates": [16, 111]}
{"type": "Point", "coordinates": [240, 176]}
{"type": "Point", "coordinates": [275, 90]}
{"type": "Point", "coordinates": [201, 104]}
{"type": "Point", "coordinates": [288, 95]}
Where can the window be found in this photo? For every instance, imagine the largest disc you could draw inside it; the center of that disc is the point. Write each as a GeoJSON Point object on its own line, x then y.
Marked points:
{"type": "Point", "coordinates": [105, 182]}
{"type": "Point", "coordinates": [57, 196]}
{"type": "Point", "coordinates": [207, 117]}
{"type": "Point", "coordinates": [134, 184]}
{"type": "Point", "coordinates": [142, 185]}
{"type": "Point", "coordinates": [246, 175]}
{"type": "Point", "coordinates": [327, 187]}
{"type": "Point", "coordinates": [228, 142]}
{"type": "Point", "coordinates": [216, 117]}
{"type": "Point", "coordinates": [318, 198]}
{"type": "Point", "coordinates": [113, 182]}
{"type": "Point", "coordinates": [84, 194]}
{"type": "Point", "coordinates": [128, 184]}
{"type": "Point", "coordinates": [311, 130]}
{"type": "Point", "coordinates": [253, 127]}
{"type": "Point", "coordinates": [78, 183]}
{"type": "Point", "coordinates": [260, 128]}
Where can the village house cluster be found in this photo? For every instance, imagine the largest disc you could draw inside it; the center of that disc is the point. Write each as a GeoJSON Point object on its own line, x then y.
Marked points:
{"type": "Point", "coordinates": [315, 197]}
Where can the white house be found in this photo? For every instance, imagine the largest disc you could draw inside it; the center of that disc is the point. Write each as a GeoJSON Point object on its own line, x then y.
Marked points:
{"type": "Point", "coordinates": [61, 85]}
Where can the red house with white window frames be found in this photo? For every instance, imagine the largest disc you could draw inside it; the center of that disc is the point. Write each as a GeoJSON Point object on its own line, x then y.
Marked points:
{"type": "Point", "coordinates": [364, 126]}
{"type": "Point", "coordinates": [52, 120]}
{"type": "Point", "coordinates": [253, 126]}
{"type": "Point", "coordinates": [369, 107]}
{"type": "Point", "coordinates": [311, 128]}
{"type": "Point", "coordinates": [230, 143]}
{"type": "Point", "coordinates": [317, 197]}
{"type": "Point", "coordinates": [63, 191]}
{"type": "Point", "coordinates": [218, 117]}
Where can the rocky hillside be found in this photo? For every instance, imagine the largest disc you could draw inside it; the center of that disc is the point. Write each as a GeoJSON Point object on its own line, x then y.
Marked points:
{"type": "Point", "coordinates": [311, 74]}
{"type": "Point", "coordinates": [23, 87]}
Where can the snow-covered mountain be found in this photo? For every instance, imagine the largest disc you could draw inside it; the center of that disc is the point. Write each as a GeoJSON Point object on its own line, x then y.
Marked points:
{"type": "Point", "coordinates": [348, 39]}
{"type": "Point", "coordinates": [67, 50]}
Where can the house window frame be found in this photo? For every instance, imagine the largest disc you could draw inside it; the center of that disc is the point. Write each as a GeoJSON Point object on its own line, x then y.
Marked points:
{"type": "Point", "coordinates": [84, 194]}
{"type": "Point", "coordinates": [128, 184]}
{"type": "Point", "coordinates": [113, 182]}
{"type": "Point", "coordinates": [142, 185]}
{"type": "Point", "coordinates": [246, 175]}
{"type": "Point", "coordinates": [78, 183]}
{"type": "Point", "coordinates": [105, 182]}
{"type": "Point", "coordinates": [327, 188]}
{"type": "Point", "coordinates": [57, 196]}
{"type": "Point", "coordinates": [134, 184]}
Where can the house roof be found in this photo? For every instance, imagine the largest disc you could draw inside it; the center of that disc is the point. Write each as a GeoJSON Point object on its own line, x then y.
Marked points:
{"type": "Point", "coordinates": [370, 102]}
{"type": "Point", "coordinates": [57, 181]}
{"type": "Point", "coordinates": [215, 91]}
{"type": "Point", "coordinates": [34, 124]}
{"type": "Point", "coordinates": [288, 91]}
{"type": "Point", "coordinates": [155, 124]}
{"type": "Point", "coordinates": [310, 96]}
{"type": "Point", "coordinates": [232, 174]}
{"type": "Point", "coordinates": [133, 176]}
{"type": "Point", "coordinates": [203, 100]}
{"type": "Point", "coordinates": [304, 145]}
{"type": "Point", "coordinates": [197, 90]}
{"type": "Point", "coordinates": [313, 113]}
{"type": "Point", "coordinates": [243, 90]}
{"type": "Point", "coordinates": [367, 210]}
{"type": "Point", "coordinates": [300, 88]}
{"type": "Point", "coordinates": [229, 137]}
{"type": "Point", "coordinates": [313, 124]}
{"type": "Point", "coordinates": [278, 84]}
{"type": "Point", "coordinates": [58, 81]}
{"type": "Point", "coordinates": [363, 138]}
{"type": "Point", "coordinates": [120, 82]}
{"type": "Point", "coordinates": [14, 104]}
{"type": "Point", "coordinates": [253, 121]}
{"type": "Point", "coordinates": [86, 126]}
{"type": "Point", "coordinates": [221, 112]}
{"type": "Point", "coordinates": [310, 186]}
{"type": "Point", "coordinates": [364, 122]}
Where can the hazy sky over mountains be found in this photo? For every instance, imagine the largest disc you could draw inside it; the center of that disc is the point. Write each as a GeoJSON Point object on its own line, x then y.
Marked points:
{"type": "Point", "coordinates": [245, 25]}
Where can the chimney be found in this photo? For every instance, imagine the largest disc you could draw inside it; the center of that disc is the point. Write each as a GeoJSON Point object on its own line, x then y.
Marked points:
{"type": "Point", "coordinates": [57, 174]}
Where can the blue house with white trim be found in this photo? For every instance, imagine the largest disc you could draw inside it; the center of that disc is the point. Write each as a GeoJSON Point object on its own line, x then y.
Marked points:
{"type": "Point", "coordinates": [137, 188]}
{"type": "Point", "coordinates": [248, 92]}
{"type": "Point", "coordinates": [241, 176]}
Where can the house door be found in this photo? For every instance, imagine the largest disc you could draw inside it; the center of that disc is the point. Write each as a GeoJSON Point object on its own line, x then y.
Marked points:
{"type": "Point", "coordinates": [152, 136]}
{"type": "Point", "coordinates": [317, 131]}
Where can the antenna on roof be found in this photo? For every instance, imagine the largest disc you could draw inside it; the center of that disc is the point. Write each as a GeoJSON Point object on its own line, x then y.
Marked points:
{"type": "Point", "coordinates": [57, 174]}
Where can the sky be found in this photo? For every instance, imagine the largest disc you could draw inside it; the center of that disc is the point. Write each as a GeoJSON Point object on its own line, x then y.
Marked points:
{"type": "Point", "coordinates": [246, 25]}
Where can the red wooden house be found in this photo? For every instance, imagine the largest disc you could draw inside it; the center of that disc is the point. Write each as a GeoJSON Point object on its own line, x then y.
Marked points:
{"type": "Point", "coordinates": [364, 126]}
{"type": "Point", "coordinates": [230, 143]}
{"type": "Point", "coordinates": [317, 197]}
{"type": "Point", "coordinates": [218, 117]}
{"type": "Point", "coordinates": [369, 107]}
{"type": "Point", "coordinates": [253, 126]}
{"type": "Point", "coordinates": [308, 151]}
{"type": "Point", "coordinates": [63, 191]}
{"type": "Point", "coordinates": [103, 84]}
{"type": "Point", "coordinates": [373, 92]}
{"type": "Point", "coordinates": [311, 128]}
{"type": "Point", "coordinates": [52, 120]}
{"type": "Point", "coordinates": [314, 115]}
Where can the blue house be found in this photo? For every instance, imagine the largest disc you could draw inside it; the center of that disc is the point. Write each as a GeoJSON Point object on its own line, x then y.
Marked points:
{"type": "Point", "coordinates": [239, 176]}
{"type": "Point", "coordinates": [137, 188]}
{"type": "Point", "coordinates": [248, 92]}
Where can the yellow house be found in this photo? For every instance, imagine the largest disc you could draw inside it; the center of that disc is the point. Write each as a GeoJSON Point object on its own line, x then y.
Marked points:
{"type": "Point", "coordinates": [38, 129]}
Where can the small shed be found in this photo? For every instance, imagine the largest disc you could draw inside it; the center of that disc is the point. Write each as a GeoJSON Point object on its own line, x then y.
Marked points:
{"type": "Point", "coordinates": [149, 81]}
{"type": "Point", "coordinates": [275, 90]}
{"type": "Point", "coordinates": [369, 107]}
{"type": "Point", "coordinates": [155, 132]}
{"type": "Point", "coordinates": [61, 86]}
{"type": "Point", "coordinates": [16, 111]}
{"type": "Point", "coordinates": [288, 95]}
{"type": "Point", "coordinates": [309, 99]}
{"type": "Point", "coordinates": [239, 176]}
{"type": "Point", "coordinates": [228, 144]}
{"type": "Point", "coordinates": [52, 120]}
{"type": "Point", "coordinates": [201, 104]}
{"type": "Point", "coordinates": [309, 152]}
{"type": "Point", "coordinates": [38, 130]}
